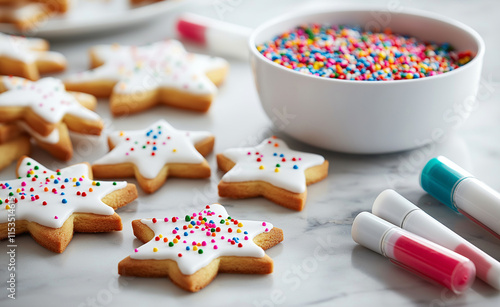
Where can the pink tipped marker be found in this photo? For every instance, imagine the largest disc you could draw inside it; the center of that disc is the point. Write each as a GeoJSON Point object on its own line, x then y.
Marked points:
{"type": "Point", "coordinates": [414, 253]}
{"type": "Point", "coordinates": [399, 211]}
{"type": "Point", "coordinates": [219, 37]}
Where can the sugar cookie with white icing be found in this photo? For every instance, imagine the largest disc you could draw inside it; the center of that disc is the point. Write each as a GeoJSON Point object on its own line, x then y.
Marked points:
{"type": "Point", "coordinates": [25, 16]}
{"type": "Point", "coordinates": [138, 78]}
{"type": "Point", "coordinates": [154, 154]}
{"type": "Point", "coordinates": [193, 249]}
{"type": "Point", "coordinates": [28, 57]}
{"type": "Point", "coordinates": [272, 170]}
{"type": "Point", "coordinates": [44, 104]}
{"type": "Point", "coordinates": [51, 205]}
{"type": "Point", "coordinates": [52, 5]}
{"type": "Point", "coordinates": [28, 15]}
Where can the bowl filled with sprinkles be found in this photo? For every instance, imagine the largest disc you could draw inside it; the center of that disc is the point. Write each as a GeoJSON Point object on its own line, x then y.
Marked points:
{"type": "Point", "coordinates": [366, 80]}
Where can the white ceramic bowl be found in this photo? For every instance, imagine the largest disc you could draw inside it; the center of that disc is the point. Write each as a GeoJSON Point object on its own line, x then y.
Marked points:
{"type": "Point", "coordinates": [365, 116]}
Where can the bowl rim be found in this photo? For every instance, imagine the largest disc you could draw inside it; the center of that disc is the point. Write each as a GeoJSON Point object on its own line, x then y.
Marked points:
{"type": "Point", "coordinates": [357, 8]}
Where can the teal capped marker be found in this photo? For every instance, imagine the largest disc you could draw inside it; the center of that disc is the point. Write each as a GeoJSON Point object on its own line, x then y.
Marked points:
{"type": "Point", "coordinates": [440, 177]}
{"type": "Point", "coordinates": [462, 192]}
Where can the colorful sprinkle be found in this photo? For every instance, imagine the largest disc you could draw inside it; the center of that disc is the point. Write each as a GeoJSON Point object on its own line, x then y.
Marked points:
{"type": "Point", "coordinates": [349, 53]}
{"type": "Point", "coordinates": [197, 226]}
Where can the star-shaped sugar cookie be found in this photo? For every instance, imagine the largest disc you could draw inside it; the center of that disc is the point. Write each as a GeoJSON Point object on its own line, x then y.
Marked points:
{"type": "Point", "coordinates": [24, 15]}
{"type": "Point", "coordinates": [52, 5]}
{"type": "Point", "coordinates": [28, 57]}
{"type": "Point", "coordinates": [137, 78]}
{"type": "Point", "coordinates": [28, 15]}
{"type": "Point", "coordinates": [272, 170]}
{"type": "Point", "coordinates": [44, 104]}
{"type": "Point", "coordinates": [155, 153]}
{"type": "Point", "coordinates": [193, 249]}
{"type": "Point", "coordinates": [51, 205]}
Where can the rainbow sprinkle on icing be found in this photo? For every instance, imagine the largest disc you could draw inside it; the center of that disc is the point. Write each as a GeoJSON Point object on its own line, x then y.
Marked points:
{"type": "Point", "coordinates": [152, 148]}
{"type": "Point", "coordinates": [198, 238]}
{"type": "Point", "coordinates": [50, 197]}
{"type": "Point", "coordinates": [271, 161]}
{"type": "Point", "coordinates": [164, 64]}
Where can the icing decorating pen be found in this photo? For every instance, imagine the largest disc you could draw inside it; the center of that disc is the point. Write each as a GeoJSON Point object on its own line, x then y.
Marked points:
{"type": "Point", "coordinates": [219, 37]}
{"type": "Point", "coordinates": [397, 210]}
{"type": "Point", "coordinates": [462, 192]}
{"type": "Point", "coordinates": [414, 253]}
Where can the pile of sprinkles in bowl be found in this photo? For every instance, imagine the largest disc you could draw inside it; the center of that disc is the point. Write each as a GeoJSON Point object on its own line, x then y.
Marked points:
{"type": "Point", "coordinates": [347, 52]}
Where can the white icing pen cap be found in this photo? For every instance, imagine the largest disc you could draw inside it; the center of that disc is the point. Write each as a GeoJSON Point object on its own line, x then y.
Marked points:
{"type": "Point", "coordinates": [392, 207]}
{"type": "Point", "coordinates": [369, 231]}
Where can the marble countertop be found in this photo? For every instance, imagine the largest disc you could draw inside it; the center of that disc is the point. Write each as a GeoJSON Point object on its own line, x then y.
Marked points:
{"type": "Point", "coordinates": [318, 263]}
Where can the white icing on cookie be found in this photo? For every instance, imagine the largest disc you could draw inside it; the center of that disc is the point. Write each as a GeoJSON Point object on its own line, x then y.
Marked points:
{"type": "Point", "coordinates": [47, 98]}
{"type": "Point", "coordinates": [273, 162]}
{"type": "Point", "coordinates": [216, 234]}
{"type": "Point", "coordinates": [150, 149]}
{"type": "Point", "coordinates": [54, 196]}
{"type": "Point", "coordinates": [164, 64]}
{"type": "Point", "coordinates": [27, 50]}
{"type": "Point", "coordinates": [52, 138]}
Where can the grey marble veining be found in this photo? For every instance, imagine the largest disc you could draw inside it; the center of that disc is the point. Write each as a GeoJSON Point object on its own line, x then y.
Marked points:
{"type": "Point", "coordinates": [318, 263]}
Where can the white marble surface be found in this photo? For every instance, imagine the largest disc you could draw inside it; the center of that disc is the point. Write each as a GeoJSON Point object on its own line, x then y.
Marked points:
{"type": "Point", "coordinates": [318, 263]}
